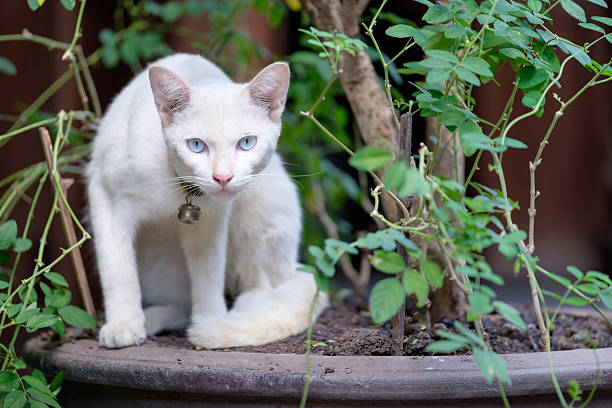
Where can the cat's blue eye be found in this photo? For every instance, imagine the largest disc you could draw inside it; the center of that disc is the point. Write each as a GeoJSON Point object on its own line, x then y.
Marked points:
{"type": "Point", "coordinates": [247, 142]}
{"type": "Point", "coordinates": [196, 145]}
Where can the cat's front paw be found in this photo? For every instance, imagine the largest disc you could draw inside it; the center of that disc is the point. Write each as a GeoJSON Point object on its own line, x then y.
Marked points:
{"type": "Point", "coordinates": [122, 334]}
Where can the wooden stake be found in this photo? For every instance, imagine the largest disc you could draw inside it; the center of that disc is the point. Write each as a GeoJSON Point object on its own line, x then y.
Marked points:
{"type": "Point", "coordinates": [68, 226]}
{"type": "Point", "coordinates": [398, 322]}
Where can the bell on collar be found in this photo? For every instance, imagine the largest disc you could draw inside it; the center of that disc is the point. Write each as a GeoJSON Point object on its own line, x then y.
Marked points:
{"type": "Point", "coordinates": [189, 213]}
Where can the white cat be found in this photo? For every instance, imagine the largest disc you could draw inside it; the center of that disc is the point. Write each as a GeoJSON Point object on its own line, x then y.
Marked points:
{"type": "Point", "coordinates": [184, 121]}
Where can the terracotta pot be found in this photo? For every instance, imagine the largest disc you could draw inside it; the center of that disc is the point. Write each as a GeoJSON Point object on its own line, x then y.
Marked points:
{"type": "Point", "coordinates": [152, 375]}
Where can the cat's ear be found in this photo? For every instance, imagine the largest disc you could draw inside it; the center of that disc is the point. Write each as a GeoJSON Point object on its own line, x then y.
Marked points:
{"type": "Point", "coordinates": [269, 89]}
{"type": "Point", "coordinates": [171, 94]}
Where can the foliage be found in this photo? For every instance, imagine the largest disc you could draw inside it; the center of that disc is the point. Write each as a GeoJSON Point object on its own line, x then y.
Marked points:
{"type": "Point", "coordinates": [465, 43]}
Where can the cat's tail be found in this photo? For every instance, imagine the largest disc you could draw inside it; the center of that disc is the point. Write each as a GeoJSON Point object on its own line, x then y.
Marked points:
{"type": "Point", "coordinates": [262, 316]}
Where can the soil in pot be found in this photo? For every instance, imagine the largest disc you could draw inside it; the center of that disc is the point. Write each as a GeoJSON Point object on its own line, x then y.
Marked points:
{"type": "Point", "coordinates": [345, 328]}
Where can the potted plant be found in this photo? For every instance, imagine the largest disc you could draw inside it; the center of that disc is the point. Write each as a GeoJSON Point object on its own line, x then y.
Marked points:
{"type": "Point", "coordinates": [432, 250]}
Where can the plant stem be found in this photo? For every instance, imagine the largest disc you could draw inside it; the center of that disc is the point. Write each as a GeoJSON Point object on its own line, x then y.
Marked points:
{"type": "Point", "coordinates": [308, 350]}
{"type": "Point", "coordinates": [502, 393]}
{"type": "Point", "coordinates": [26, 229]}
{"type": "Point", "coordinates": [68, 55]}
{"type": "Point", "coordinates": [28, 127]}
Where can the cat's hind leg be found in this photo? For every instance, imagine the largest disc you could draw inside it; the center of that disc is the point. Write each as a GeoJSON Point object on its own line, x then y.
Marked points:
{"type": "Point", "coordinates": [261, 316]}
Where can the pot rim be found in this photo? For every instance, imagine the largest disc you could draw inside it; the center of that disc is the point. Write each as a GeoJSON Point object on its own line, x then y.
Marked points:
{"type": "Point", "coordinates": [153, 366]}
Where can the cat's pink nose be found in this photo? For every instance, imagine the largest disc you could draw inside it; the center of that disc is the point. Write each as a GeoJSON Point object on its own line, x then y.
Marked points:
{"type": "Point", "coordinates": [223, 179]}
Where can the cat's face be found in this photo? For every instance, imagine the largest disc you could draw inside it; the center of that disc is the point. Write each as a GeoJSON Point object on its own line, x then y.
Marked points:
{"type": "Point", "coordinates": [221, 136]}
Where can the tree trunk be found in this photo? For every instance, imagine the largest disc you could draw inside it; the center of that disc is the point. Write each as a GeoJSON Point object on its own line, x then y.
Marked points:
{"type": "Point", "coordinates": [370, 105]}
{"type": "Point", "coordinates": [449, 300]}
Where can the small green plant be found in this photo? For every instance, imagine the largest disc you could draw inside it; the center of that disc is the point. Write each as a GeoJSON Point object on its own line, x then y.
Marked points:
{"type": "Point", "coordinates": [452, 220]}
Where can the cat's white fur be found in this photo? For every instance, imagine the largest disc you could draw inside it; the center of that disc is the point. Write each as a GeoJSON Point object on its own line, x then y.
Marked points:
{"type": "Point", "coordinates": [158, 273]}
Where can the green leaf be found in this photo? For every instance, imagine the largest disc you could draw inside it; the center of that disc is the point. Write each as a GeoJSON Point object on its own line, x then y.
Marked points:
{"type": "Point", "coordinates": [444, 346]}
{"type": "Point", "coordinates": [601, 3]}
{"type": "Point", "coordinates": [56, 384]}
{"type": "Point", "coordinates": [510, 314]}
{"type": "Point", "coordinates": [8, 381]}
{"type": "Point", "coordinates": [574, 10]}
{"type": "Point", "coordinates": [480, 304]}
{"type": "Point", "coordinates": [512, 53]}
{"type": "Point", "coordinates": [561, 280]}
{"type": "Point", "coordinates": [452, 118]}
{"type": "Point", "coordinates": [41, 320]}
{"type": "Point", "coordinates": [591, 26]}
{"type": "Point", "coordinates": [575, 271]}
{"type": "Point", "coordinates": [605, 20]}
{"type": "Point", "coordinates": [43, 397]}
{"type": "Point", "coordinates": [606, 297]}
{"type": "Point", "coordinates": [436, 76]}
{"type": "Point", "coordinates": [8, 233]}
{"type": "Point", "coordinates": [316, 252]}
{"type": "Point", "coordinates": [322, 281]}
{"type": "Point", "coordinates": [276, 14]}
{"type": "Point", "coordinates": [508, 250]}
{"type": "Point", "coordinates": [387, 262]}
{"type": "Point", "coordinates": [400, 31]}
{"type": "Point", "coordinates": [516, 144]}
{"type": "Point", "coordinates": [56, 278]}
{"type": "Point", "coordinates": [77, 317]}
{"type": "Point", "coordinates": [171, 11]}
{"type": "Point", "coordinates": [474, 339]}
{"type": "Point", "coordinates": [370, 158]}
{"type": "Point", "coordinates": [22, 245]}
{"type": "Point", "coordinates": [548, 55]}
{"type": "Point", "coordinates": [442, 55]}
{"type": "Point", "coordinates": [530, 77]}
{"type": "Point", "coordinates": [531, 98]}
{"type": "Point", "coordinates": [307, 269]}
{"type": "Point", "coordinates": [5, 257]}
{"type": "Point", "coordinates": [467, 75]}
{"type": "Point", "coordinates": [453, 31]}
{"type": "Point", "coordinates": [37, 384]}
{"type": "Point", "coordinates": [414, 283]}
{"type": "Point", "coordinates": [468, 127]}
{"type": "Point", "coordinates": [477, 65]}
{"type": "Point", "coordinates": [26, 313]}
{"type": "Point", "coordinates": [33, 5]}
{"type": "Point", "coordinates": [325, 267]}
{"type": "Point", "coordinates": [17, 398]}
{"type": "Point", "coordinates": [599, 276]}
{"type": "Point", "coordinates": [491, 365]}
{"type": "Point", "coordinates": [68, 4]}
{"type": "Point", "coordinates": [575, 301]}
{"type": "Point", "coordinates": [437, 14]}
{"type": "Point", "coordinates": [588, 289]}
{"type": "Point", "coordinates": [433, 273]}
{"type": "Point", "coordinates": [386, 297]}
{"type": "Point", "coordinates": [7, 67]}
{"type": "Point", "coordinates": [435, 63]}
{"type": "Point", "coordinates": [535, 5]}
{"type": "Point", "coordinates": [110, 56]}
{"type": "Point", "coordinates": [59, 298]}
{"type": "Point", "coordinates": [395, 175]}
{"type": "Point", "coordinates": [413, 183]}
{"type": "Point", "coordinates": [551, 294]}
